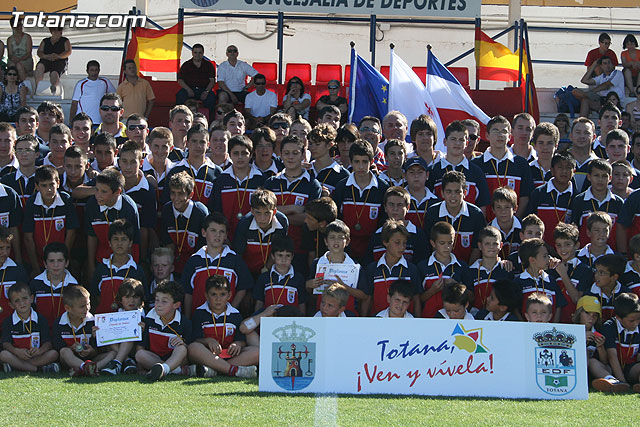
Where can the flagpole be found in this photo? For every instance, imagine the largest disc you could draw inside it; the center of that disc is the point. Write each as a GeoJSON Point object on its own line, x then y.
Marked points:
{"type": "Point", "coordinates": [126, 45]}
{"type": "Point", "coordinates": [478, 30]}
{"type": "Point", "coordinates": [352, 81]}
{"type": "Point", "coordinates": [520, 40]}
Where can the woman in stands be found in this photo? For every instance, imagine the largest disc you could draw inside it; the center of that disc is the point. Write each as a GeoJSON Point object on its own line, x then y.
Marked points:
{"type": "Point", "coordinates": [333, 99]}
{"type": "Point", "coordinates": [13, 95]}
{"type": "Point", "coordinates": [296, 103]}
{"type": "Point", "coordinates": [630, 63]}
{"type": "Point", "coordinates": [54, 54]}
{"type": "Point", "coordinates": [19, 51]}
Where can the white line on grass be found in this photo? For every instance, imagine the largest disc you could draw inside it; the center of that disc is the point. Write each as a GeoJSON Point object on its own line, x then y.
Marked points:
{"type": "Point", "coordinates": [326, 410]}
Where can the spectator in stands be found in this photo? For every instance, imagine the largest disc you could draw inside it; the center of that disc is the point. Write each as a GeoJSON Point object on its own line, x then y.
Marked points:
{"type": "Point", "coordinates": [564, 127]}
{"type": "Point", "coordinates": [89, 91]}
{"type": "Point", "coordinates": [136, 93]}
{"type": "Point", "coordinates": [221, 111]}
{"type": "Point", "coordinates": [197, 77]}
{"type": "Point", "coordinates": [594, 55]}
{"type": "Point", "coordinates": [630, 63]}
{"type": "Point", "coordinates": [232, 77]}
{"type": "Point", "coordinates": [54, 52]}
{"type": "Point", "coordinates": [13, 93]}
{"type": "Point", "coordinates": [110, 114]}
{"type": "Point", "coordinates": [610, 79]}
{"type": "Point", "coordinates": [49, 115]}
{"type": "Point", "coordinates": [296, 103]}
{"type": "Point", "coordinates": [19, 51]}
{"type": "Point", "coordinates": [613, 98]}
{"type": "Point", "coordinates": [333, 98]}
{"type": "Point", "coordinates": [260, 104]}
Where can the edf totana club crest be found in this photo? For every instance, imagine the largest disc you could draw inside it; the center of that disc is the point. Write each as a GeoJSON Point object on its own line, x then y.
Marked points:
{"type": "Point", "coordinates": [293, 358]}
{"type": "Point", "coordinates": [555, 362]}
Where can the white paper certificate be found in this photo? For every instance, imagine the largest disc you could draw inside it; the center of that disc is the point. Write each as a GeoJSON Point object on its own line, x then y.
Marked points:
{"type": "Point", "coordinates": [348, 273]}
{"type": "Point", "coordinates": [121, 326]}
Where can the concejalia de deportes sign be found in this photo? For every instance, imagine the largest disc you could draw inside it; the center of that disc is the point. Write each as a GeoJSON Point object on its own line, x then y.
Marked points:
{"type": "Point", "coordinates": [424, 357]}
{"type": "Point", "coordinates": [417, 8]}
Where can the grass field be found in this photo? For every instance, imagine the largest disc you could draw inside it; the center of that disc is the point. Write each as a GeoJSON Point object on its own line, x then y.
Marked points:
{"type": "Point", "coordinates": [60, 400]}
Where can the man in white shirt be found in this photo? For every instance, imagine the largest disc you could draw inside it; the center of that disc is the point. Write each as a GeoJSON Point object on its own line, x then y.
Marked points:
{"type": "Point", "coordinates": [232, 75]}
{"type": "Point", "coordinates": [611, 80]}
{"type": "Point", "coordinates": [260, 104]}
{"type": "Point", "coordinates": [89, 91]}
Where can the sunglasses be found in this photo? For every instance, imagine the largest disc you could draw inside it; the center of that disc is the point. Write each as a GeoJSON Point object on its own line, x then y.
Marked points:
{"type": "Point", "coordinates": [220, 113]}
{"type": "Point", "coordinates": [334, 87]}
{"type": "Point", "coordinates": [232, 50]}
{"type": "Point", "coordinates": [12, 74]}
{"type": "Point", "coordinates": [368, 129]}
{"type": "Point", "coordinates": [259, 83]}
{"type": "Point", "coordinates": [280, 126]}
{"type": "Point", "coordinates": [109, 107]}
{"type": "Point", "coordinates": [139, 127]}
{"type": "Point", "coordinates": [473, 137]}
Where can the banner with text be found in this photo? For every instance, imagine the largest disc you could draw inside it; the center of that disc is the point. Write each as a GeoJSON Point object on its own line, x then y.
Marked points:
{"type": "Point", "coordinates": [434, 357]}
{"type": "Point", "coordinates": [415, 8]}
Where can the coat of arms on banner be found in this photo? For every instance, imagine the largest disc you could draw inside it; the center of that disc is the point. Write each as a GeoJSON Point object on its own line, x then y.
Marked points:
{"type": "Point", "coordinates": [293, 359]}
{"type": "Point", "coordinates": [555, 362]}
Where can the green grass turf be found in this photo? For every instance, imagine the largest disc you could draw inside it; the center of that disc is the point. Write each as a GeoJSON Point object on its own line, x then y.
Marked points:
{"type": "Point", "coordinates": [60, 400]}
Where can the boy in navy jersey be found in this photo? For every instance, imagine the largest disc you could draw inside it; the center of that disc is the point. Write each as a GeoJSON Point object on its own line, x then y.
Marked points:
{"type": "Point", "coordinates": [539, 308]}
{"type": "Point", "coordinates": [606, 287]}
{"type": "Point", "coordinates": [629, 221]}
{"type": "Point", "coordinates": [532, 228]}
{"type": "Point", "coordinates": [545, 141]}
{"type": "Point", "coordinates": [141, 190]}
{"type": "Point", "coordinates": [598, 230]}
{"type": "Point", "coordinates": [162, 266]}
{"type": "Point", "coordinates": [396, 204]}
{"type": "Point", "coordinates": [166, 335]}
{"type": "Point", "coordinates": [50, 216]}
{"type": "Point", "coordinates": [392, 266]}
{"type": "Point", "coordinates": [180, 121]}
{"type": "Point", "coordinates": [48, 287]}
{"type": "Point", "coordinates": [105, 149]}
{"type": "Point", "coordinates": [255, 231]}
{"type": "Point", "coordinates": [502, 168]}
{"type": "Point", "coordinates": [399, 298]}
{"type": "Point", "coordinates": [293, 188]}
{"type": "Point", "coordinates": [106, 206]}
{"type": "Point", "coordinates": [157, 163]}
{"type": "Point", "coordinates": [264, 145]}
{"type": "Point", "coordinates": [113, 270]}
{"type": "Point", "coordinates": [631, 276]}
{"type": "Point", "coordinates": [359, 198]}
{"type": "Point", "coordinates": [456, 139]}
{"type": "Point", "coordinates": [182, 219]}
{"type": "Point", "coordinates": [10, 271]}
{"type": "Point", "coordinates": [466, 218]}
{"type": "Point", "coordinates": [415, 174]}
{"type": "Point", "coordinates": [8, 160]}
{"type": "Point", "coordinates": [74, 338]}
{"type": "Point", "coordinates": [214, 258]}
{"type": "Point", "coordinates": [552, 201]}
{"type": "Point", "coordinates": [395, 154]}
{"type": "Point", "coordinates": [80, 126]}
{"type": "Point", "coordinates": [572, 276]}
{"type": "Point", "coordinates": [282, 285]}
{"type": "Point", "coordinates": [318, 214]}
{"type": "Point", "coordinates": [456, 302]}
{"type": "Point", "coordinates": [535, 260]}
{"type": "Point", "coordinates": [233, 188]}
{"type": "Point", "coordinates": [503, 303]}
{"type": "Point", "coordinates": [199, 166]}
{"type": "Point", "coordinates": [504, 204]}
{"type": "Point", "coordinates": [489, 268]}
{"type": "Point", "coordinates": [218, 344]}
{"type": "Point", "coordinates": [59, 140]}
{"type": "Point", "coordinates": [622, 341]}
{"type": "Point", "coordinates": [622, 177]}
{"type": "Point", "coordinates": [324, 168]}
{"type": "Point", "coordinates": [598, 197]}
{"type": "Point", "coordinates": [22, 179]}
{"type": "Point", "coordinates": [26, 343]}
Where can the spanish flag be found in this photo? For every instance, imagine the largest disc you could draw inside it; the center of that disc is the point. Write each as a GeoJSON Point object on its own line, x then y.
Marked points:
{"type": "Point", "coordinates": [156, 51]}
{"type": "Point", "coordinates": [494, 61]}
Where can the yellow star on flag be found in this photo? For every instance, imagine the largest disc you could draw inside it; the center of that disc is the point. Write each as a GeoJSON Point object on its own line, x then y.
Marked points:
{"type": "Point", "coordinates": [384, 88]}
{"type": "Point", "coordinates": [384, 100]}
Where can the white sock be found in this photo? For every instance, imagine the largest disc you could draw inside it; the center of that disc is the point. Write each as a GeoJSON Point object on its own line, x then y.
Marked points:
{"type": "Point", "coordinates": [177, 371]}
{"type": "Point", "coordinates": [165, 368]}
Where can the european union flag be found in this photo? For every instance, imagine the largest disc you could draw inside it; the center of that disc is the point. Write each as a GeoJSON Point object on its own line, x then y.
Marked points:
{"type": "Point", "coordinates": [369, 90]}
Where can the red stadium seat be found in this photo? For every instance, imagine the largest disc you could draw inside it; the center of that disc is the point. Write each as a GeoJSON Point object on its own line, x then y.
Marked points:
{"type": "Point", "coordinates": [384, 70]}
{"type": "Point", "coordinates": [303, 71]}
{"type": "Point", "coordinates": [269, 69]}
{"type": "Point", "coordinates": [462, 74]}
{"type": "Point", "coordinates": [421, 72]}
{"type": "Point", "coordinates": [347, 75]}
{"type": "Point", "coordinates": [327, 72]}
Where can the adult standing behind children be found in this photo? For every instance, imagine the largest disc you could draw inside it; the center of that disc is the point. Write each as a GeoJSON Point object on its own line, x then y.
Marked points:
{"type": "Point", "coordinates": [89, 91]}
{"type": "Point", "coordinates": [232, 75]}
{"type": "Point", "coordinates": [54, 54]}
{"type": "Point", "coordinates": [136, 93]}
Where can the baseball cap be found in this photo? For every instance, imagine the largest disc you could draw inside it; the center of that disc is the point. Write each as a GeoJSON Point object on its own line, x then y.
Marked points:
{"type": "Point", "coordinates": [590, 304]}
{"type": "Point", "coordinates": [415, 161]}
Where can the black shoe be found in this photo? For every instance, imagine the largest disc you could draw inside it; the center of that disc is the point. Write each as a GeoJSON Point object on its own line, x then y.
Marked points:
{"type": "Point", "coordinates": [156, 373]}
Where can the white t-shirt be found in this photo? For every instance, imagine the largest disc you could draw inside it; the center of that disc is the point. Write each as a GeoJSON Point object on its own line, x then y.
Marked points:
{"type": "Point", "coordinates": [260, 106]}
{"type": "Point", "coordinates": [234, 77]}
{"type": "Point", "coordinates": [88, 94]}
{"type": "Point", "coordinates": [304, 113]}
{"type": "Point", "coordinates": [616, 78]}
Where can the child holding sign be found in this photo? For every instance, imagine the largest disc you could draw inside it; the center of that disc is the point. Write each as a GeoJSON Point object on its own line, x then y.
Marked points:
{"type": "Point", "coordinates": [218, 344]}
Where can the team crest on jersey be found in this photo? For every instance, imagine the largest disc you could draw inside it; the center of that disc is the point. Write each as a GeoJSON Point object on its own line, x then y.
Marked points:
{"type": "Point", "coordinates": [291, 296]}
{"type": "Point", "coordinates": [4, 220]}
{"type": "Point", "coordinates": [465, 240]}
{"type": "Point", "coordinates": [35, 340]}
{"type": "Point", "coordinates": [293, 358]}
{"type": "Point", "coordinates": [207, 189]}
{"type": "Point", "coordinates": [191, 240]}
{"type": "Point", "coordinates": [373, 212]}
{"type": "Point", "coordinates": [511, 182]}
{"type": "Point", "coordinates": [59, 224]}
{"type": "Point", "coordinates": [555, 362]}
{"type": "Point", "coordinates": [229, 330]}
{"type": "Point", "coordinates": [299, 201]}
{"type": "Point", "coordinates": [228, 275]}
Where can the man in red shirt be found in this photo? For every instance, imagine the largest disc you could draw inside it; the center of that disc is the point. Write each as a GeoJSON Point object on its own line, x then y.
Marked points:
{"type": "Point", "coordinates": [604, 41]}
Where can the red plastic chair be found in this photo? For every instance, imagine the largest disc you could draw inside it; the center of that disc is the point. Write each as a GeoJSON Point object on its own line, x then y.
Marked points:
{"type": "Point", "coordinates": [303, 71]}
{"type": "Point", "coordinates": [462, 74]}
{"type": "Point", "coordinates": [327, 72]}
{"type": "Point", "coordinates": [384, 70]}
{"type": "Point", "coordinates": [347, 75]}
{"type": "Point", "coordinates": [269, 69]}
{"type": "Point", "coordinates": [421, 72]}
